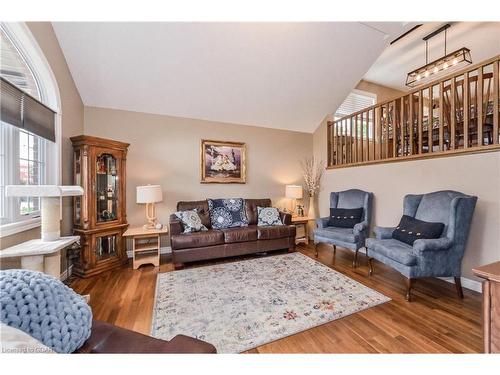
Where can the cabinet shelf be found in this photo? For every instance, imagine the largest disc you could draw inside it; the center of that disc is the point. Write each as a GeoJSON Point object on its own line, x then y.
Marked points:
{"type": "Point", "coordinates": [146, 246]}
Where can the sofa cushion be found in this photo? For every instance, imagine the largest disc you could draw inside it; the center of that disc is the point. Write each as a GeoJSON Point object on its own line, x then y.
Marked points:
{"type": "Point", "coordinates": [341, 234]}
{"type": "Point", "coordinates": [227, 213]}
{"type": "Point", "coordinates": [243, 234]}
{"type": "Point", "coordinates": [274, 232]}
{"type": "Point", "coordinates": [197, 239]}
{"type": "Point", "coordinates": [393, 249]}
{"type": "Point", "coordinates": [410, 229]}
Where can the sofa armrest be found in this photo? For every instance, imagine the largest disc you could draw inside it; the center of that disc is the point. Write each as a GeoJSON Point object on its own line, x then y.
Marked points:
{"type": "Point", "coordinates": [322, 222]}
{"type": "Point", "coordinates": [108, 338]}
{"type": "Point", "coordinates": [175, 225]}
{"type": "Point", "coordinates": [427, 245]}
{"type": "Point", "coordinates": [383, 233]}
{"type": "Point", "coordinates": [360, 227]}
{"type": "Point", "coordinates": [286, 218]}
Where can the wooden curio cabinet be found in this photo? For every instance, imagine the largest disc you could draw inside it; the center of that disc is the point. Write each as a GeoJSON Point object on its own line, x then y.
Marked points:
{"type": "Point", "coordinates": [99, 215]}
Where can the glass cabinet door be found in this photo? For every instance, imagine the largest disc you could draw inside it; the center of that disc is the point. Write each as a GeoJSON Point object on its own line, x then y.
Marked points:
{"type": "Point", "coordinates": [106, 247]}
{"type": "Point", "coordinates": [78, 181]}
{"type": "Point", "coordinates": [106, 188]}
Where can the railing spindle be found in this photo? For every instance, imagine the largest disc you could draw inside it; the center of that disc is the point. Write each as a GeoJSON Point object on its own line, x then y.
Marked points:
{"type": "Point", "coordinates": [496, 88]}
{"type": "Point", "coordinates": [453, 115]}
{"type": "Point", "coordinates": [466, 110]}
{"type": "Point", "coordinates": [479, 107]}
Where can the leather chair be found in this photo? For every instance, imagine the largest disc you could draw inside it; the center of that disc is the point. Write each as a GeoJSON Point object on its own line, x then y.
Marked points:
{"type": "Point", "coordinates": [108, 338]}
{"type": "Point", "coordinates": [440, 257]}
{"type": "Point", "coordinates": [349, 238]}
{"type": "Point", "coordinates": [212, 244]}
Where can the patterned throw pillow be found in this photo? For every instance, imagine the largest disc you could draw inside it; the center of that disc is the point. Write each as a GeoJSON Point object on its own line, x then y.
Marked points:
{"type": "Point", "coordinates": [227, 213]}
{"type": "Point", "coordinates": [191, 221]}
{"type": "Point", "coordinates": [268, 216]}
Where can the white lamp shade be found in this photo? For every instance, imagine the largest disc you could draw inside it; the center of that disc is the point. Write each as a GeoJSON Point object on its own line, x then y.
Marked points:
{"type": "Point", "coordinates": [149, 194]}
{"type": "Point", "coordinates": [293, 191]}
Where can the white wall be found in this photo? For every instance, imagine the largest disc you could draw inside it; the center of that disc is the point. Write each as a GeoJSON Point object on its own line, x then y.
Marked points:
{"type": "Point", "coordinates": [477, 174]}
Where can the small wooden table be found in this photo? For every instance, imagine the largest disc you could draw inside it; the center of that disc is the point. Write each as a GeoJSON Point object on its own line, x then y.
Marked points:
{"type": "Point", "coordinates": [301, 223]}
{"type": "Point", "coordinates": [145, 245]}
{"type": "Point", "coordinates": [491, 305]}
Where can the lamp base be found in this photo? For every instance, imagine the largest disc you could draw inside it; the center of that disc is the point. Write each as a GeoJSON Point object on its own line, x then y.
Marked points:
{"type": "Point", "coordinates": [149, 226]}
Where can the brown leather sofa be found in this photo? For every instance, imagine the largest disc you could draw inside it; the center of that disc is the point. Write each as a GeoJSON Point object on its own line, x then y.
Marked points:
{"type": "Point", "coordinates": [229, 242]}
{"type": "Point", "coordinates": [108, 338]}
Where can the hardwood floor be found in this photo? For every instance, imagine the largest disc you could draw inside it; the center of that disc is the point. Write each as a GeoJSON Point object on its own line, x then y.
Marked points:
{"type": "Point", "coordinates": [436, 321]}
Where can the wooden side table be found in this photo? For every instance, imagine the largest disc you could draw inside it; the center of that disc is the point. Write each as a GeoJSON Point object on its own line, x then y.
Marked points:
{"type": "Point", "coordinates": [491, 305]}
{"type": "Point", "coordinates": [145, 245]}
{"type": "Point", "coordinates": [300, 223]}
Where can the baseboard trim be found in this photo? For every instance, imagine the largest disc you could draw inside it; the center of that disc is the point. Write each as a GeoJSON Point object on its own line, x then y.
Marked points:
{"type": "Point", "coordinates": [470, 284]}
{"type": "Point", "coordinates": [163, 250]}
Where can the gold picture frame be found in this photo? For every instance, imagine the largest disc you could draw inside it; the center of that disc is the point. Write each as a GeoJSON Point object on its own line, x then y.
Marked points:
{"type": "Point", "coordinates": [222, 162]}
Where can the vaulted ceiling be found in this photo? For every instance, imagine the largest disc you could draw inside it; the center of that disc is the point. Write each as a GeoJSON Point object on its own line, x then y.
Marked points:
{"type": "Point", "coordinates": [407, 54]}
{"type": "Point", "coordinates": [277, 75]}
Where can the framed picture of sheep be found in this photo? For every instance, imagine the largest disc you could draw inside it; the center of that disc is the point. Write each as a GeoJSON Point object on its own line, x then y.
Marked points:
{"type": "Point", "coordinates": [223, 162]}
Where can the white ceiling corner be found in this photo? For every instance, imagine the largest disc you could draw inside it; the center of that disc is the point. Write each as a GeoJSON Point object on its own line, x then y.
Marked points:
{"type": "Point", "coordinates": [277, 75]}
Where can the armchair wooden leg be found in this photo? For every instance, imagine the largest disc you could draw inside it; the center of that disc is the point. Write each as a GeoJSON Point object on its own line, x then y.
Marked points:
{"type": "Point", "coordinates": [409, 284]}
{"type": "Point", "coordinates": [458, 286]}
{"type": "Point", "coordinates": [370, 266]}
{"type": "Point", "coordinates": [355, 260]}
{"type": "Point", "coordinates": [178, 266]}
{"type": "Point", "coordinates": [334, 252]}
{"type": "Point", "coordinates": [316, 249]}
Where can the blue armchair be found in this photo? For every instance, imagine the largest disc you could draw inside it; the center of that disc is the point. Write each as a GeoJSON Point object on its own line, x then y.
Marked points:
{"type": "Point", "coordinates": [440, 257]}
{"type": "Point", "coordinates": [349, 238]}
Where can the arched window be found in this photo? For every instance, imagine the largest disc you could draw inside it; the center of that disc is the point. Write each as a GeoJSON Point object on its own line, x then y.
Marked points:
{"type": "Point", "coordinates": [25, 157]}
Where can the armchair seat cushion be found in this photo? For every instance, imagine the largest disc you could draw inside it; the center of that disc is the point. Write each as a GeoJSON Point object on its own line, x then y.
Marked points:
{"type": "Point", "coordinates": [393, 249]}
{"type": "Point", "coordinates": [341, 234]}
{"type": "Point", "coordinates": [197, 239]}
{"type": "Point", "coordinates": [275, 232]}
{"type": "Point", "coordinates": [243, 234]}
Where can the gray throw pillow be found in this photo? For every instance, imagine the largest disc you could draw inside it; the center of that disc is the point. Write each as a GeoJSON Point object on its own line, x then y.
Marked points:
{"type": "Point", "coordinates": [268, 216]}
{"type": "Point", "coordinates": [191, 221]}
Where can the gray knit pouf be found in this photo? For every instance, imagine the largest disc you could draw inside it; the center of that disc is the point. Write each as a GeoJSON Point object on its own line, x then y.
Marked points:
{"type": "Point", "coordinates": [45, 308]}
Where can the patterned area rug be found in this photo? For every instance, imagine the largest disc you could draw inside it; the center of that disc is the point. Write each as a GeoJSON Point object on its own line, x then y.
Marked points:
{"type": "Point", "coordinates": [241, 305]}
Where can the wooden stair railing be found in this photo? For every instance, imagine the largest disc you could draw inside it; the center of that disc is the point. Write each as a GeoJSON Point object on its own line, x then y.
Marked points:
{"type": "Point", "coordinates": [456, 114]}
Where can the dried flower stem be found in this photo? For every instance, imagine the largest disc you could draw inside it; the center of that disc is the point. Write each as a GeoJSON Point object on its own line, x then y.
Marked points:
{"type": "Point", "coordinates": [312, 171]}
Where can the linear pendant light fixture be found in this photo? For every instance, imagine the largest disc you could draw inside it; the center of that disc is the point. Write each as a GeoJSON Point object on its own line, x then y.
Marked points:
{"type": "Point", "coordinates": [450, 61]}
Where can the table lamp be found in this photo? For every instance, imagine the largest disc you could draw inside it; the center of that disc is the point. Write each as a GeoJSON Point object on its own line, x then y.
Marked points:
{"type": "Point", "coordinates": [293, 192]}
{"type": "Point", "coordinates": [149, 194]}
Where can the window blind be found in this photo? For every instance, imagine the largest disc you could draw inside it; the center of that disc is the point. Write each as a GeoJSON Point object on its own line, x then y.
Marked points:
{"type": "Point", "coordinates": [21, 110]}
{"type": "Point", "coordinates": [354, 102]}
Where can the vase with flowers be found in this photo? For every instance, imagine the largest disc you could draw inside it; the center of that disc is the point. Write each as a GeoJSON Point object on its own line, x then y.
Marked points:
{"type": "Point", "coordinates": [312, 171]}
